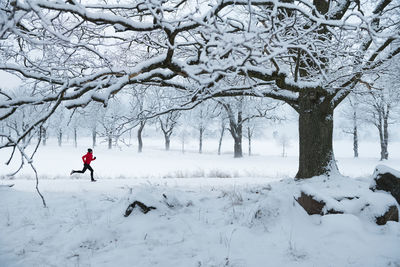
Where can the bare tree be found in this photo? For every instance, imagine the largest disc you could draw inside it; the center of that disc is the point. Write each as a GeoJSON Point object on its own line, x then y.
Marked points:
{"type": "Point", "coordinates": [58, 123]}
{"type": "Point", "coordinates": [352, 113]}
{"type": "Point", "coordinates": [201, 118]}
{"type": "Point", "coordinates": [222, 128]}
{"type": "Point", "coordinates": [76, 121]}
{"type": "Point", "coordinates": [167, 124]}
{"type": "Point", "coordinates": [111, 123]}
{"type": "Point", "coordinates": [92, 117]}
{"type": "Point", "coordinates": [138, 106]}
{"type": "Point", "coordinates": [183, 134]}
{"type": "Point", "coordinates": [259, 112]}
{"type": "Point", "coordinates": [241, 111]}
{"type": "Point", "coordinates": [379, 101]}
{"type": "Point", "coordinates": [235, 115]}
{"type": "Point", "coordinates": [284, 141]}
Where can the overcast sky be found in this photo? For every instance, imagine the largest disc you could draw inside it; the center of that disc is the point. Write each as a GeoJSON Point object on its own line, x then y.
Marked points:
{"type": "Point", "coordinates": [8, 81]}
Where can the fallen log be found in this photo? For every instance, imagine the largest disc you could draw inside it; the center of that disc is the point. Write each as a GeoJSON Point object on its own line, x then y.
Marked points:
{"type": "Point", "coordinates": [144, 208]}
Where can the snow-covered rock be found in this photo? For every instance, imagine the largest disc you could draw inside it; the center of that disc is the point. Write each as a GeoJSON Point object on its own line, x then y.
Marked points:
{"type": "Point", "coordinates": [386, 179]}
{"type": "Point", "coordinates": [324, 198]}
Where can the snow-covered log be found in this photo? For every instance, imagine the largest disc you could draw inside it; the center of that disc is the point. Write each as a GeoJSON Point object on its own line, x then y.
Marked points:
{"type": "Point", "coordinates": [143, 207]}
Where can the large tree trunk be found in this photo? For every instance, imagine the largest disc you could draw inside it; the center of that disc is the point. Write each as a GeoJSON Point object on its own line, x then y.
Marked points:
{"type": "Point", "coordinates": [139, 136]}
{"type": "Point", "coordinates": [315, 133]}
{"type": "Point", "coordinates": [238, 153]}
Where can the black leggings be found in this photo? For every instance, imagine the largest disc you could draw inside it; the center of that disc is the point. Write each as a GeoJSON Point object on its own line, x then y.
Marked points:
{"type": "Point", "coordinates": [85, 167]}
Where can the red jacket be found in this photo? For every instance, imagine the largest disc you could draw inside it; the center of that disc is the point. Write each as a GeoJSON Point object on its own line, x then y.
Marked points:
{"type": "Point", "coordinates": [88, 158]}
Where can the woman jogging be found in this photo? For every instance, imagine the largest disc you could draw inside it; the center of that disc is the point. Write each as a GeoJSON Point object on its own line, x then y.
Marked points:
{"type": "Point", "coordinates": [87, 158]}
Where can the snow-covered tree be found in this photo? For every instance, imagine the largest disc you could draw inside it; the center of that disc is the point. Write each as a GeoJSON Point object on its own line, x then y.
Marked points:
{"type": "Point", "coordinates": [183, 132]}
{"type": "Point", "coordinates": [352, 113]}
{"type": "Point", "coordinates": [141, 100]}
{"type": "Point", "coordinates": [234, 111]}
{"type": "Point", "coordinates": [239, 111]}
{"type": "Point", "coordinates": [309, 54]}
{"type": "Point", "coordinates": [259, 112]}
{"type": "Point", "coordinates": [380, 104]}
{"type": "Point", "coordinates": [316, 66]}
{"type": "Point", "coordinates": [75, 123]}
{"type": "Point", "coordinates": [167, 124]}
{"type": "Point", "coordinates": [58, 125]}
{"type": "Point", "coordinates": [92, 116]}
{"type": "Point", "coordinates": [111, 126]}
{"type": "Point", "coordinates": [201, 119]}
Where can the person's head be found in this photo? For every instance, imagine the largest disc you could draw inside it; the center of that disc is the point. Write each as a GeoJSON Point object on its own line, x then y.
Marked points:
{"type": "Point", "coordinates": [89, 150]}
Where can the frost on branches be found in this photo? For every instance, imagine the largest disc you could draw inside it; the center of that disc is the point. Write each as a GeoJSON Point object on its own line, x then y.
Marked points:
{"type": "Point", "coordinates": [309, 54]}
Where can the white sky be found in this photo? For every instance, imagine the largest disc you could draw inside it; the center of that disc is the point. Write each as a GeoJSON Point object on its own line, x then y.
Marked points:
{"type": "Point", "coordinates": [8, 81]}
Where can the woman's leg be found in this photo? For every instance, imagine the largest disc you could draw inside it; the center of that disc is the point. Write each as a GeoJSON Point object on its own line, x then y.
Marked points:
{"type": "Point", "coordinates": [85, 167]}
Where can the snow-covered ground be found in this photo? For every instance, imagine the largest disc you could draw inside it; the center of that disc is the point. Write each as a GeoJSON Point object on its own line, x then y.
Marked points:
{"type": "Point", "coordinates": [219, 211]}
{"type": "Point", "coordinates": [53, 162]}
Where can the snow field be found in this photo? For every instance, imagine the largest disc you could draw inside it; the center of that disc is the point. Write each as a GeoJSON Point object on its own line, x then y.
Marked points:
{"type": "Point", "coordinates": [232, 222]}
{"type": "Point", "coordinates": [248, 219]}
{"type": "Point", "coordinates": [53, 162]}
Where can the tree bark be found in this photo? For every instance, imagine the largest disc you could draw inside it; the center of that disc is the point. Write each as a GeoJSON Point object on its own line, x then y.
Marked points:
{"type": "Point", "coordinates": [236, 129]}
{"type": "Point", "coordinates": [249, 134]}
{"type": "Point", "coordinates": [384, 134]}
{"type": "Point", "coordinates": [238, 153]}
{"type": "Point", "coordinates": [221, 136]}
{"type": "Point", "coordinates": [384, 151]}
{"type": "Point", "coordinates": [315, 133]}
{"type": "Point", "coordinates": [139, 136]}
{"type": "Point", "coordinates": [237, 136]}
